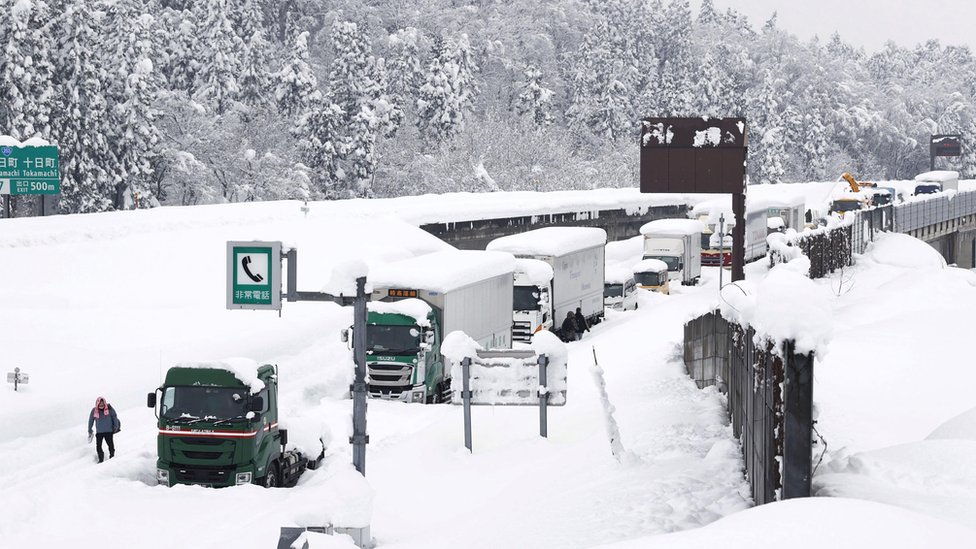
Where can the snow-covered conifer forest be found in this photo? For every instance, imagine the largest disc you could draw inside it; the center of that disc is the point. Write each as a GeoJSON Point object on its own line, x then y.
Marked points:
{"type": "Point", "coordinates": [207, 101]}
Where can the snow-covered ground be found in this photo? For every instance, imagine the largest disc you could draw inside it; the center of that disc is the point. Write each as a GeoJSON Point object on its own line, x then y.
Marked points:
{"type": "Point", "coordinates": [102, 304]}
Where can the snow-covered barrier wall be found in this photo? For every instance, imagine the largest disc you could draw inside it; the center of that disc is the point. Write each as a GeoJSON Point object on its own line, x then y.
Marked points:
{"type": "Point", "coordinates": [770, 400]}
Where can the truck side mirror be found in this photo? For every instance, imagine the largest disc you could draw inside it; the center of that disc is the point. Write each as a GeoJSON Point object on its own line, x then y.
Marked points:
{"type": "Point", "coordinates": [151, 400]}
{"type": "Point", "coordinates": [429, 338]}
{"type": "Point", "coordinates": [283, 436]}
{"type": "Point", "coordinates": [257, 404]}
{"type": "Point", "coordinates": [344, 335]}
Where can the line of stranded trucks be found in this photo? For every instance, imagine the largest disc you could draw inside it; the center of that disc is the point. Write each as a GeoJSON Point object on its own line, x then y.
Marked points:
{"type": "Point", "coordinates": [219, 423]}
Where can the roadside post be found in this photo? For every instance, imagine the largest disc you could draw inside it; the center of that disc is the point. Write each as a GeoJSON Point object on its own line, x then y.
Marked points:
{"type": "Point", "coordinates": [17, 378]}
{"type": "Point", "coordinates": [254, 282]}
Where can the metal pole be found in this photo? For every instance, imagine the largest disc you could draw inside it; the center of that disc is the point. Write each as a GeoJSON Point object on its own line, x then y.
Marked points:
{"type": "Point", "coordinates": [739, 235]}
{"type": "Point", "coordinates": [543, 397]}
{"type": "Point", "coordinates": [466, 398]}
{"type": "Point", "coordinates": [359, 438]}
{"type": "Point", "coordinates": [721, 249]}
{"type": "Point", "coordinates": [6, 206]}
{"type": "Point", "coordinates": [16, 378]}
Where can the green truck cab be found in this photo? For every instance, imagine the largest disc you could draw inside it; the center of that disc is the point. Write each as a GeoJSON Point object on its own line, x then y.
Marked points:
{"type": "Point", "coordinates": [218, 426]}
{"type": "Point", "coordinates": [403, 357]}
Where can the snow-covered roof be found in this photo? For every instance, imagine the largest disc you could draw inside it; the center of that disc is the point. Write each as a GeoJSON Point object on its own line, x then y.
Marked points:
{"type": "Point", "coordinates": [244, 369]}
{"type": "Point", "coordinates": [675, 227]}
{"type": "Point", "coordinates": [533, 271]}
{"type": "Point", "coordinates": [418, 309]}
{"type": "Point", "coordinates": [774, 200]}
{"type": "Point", "coordinates": [650, 266]}
{"type": "Point", "coordinates": [617, 274]}
{"type": "Point", "coordinates": [442, 271]}
{"type": "Point", "coordinates": [554, 241]}
{"type": "Point", "coordinates": [938, 176]}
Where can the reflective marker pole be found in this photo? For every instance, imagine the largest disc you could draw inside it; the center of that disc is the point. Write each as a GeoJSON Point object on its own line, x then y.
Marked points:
{"type": "Point", "coordinates": [543, 397]}
{"type": "Point", "coordinates": [721, 249]}
{"type": "Point", "coordinates": [466, 398]}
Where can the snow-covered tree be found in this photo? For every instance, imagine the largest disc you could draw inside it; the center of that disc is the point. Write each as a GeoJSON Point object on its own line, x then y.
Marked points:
{"type": "Point", "coordinates": [81, 130]}
{"type": "Point", "coordinates": [358, 86]}
{"type": "Point", "coordinates": [26, 89]}
{"type": "Point", "coordinates": [535, 100]}
{"type": "Point", "coordinates": [295, 85]}
{"type": "Point", "coordinates": [219, 56]}
{"type": "Point", "coordinates": [322, 146]}
{"type": "Point", "coordinates": [443, 97]}
{"type": "Point", "coordinates": [405, 68]}
{"type": "Point", "coordinates": [132, 90]}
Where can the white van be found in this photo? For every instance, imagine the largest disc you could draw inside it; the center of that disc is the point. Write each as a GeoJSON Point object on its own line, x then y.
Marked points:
{"type": "Point", "coordinates": [619, 289]}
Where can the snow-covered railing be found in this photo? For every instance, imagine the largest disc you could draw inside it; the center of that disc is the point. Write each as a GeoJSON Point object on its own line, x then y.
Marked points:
{"type": "Point", "coordinates": [833, 247]}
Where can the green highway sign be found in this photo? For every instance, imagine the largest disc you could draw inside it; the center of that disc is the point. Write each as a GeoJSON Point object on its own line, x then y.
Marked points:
{"type": "Point", "coordinates": [29, 170]}
{"type": "Point", "coordinates": [254, 275]}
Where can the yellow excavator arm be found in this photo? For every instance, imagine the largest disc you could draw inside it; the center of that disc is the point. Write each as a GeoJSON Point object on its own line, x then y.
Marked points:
{"type": "Point", "coordinates": [850, 180]}
{"type": "Point", "coordinates": [855, 186]}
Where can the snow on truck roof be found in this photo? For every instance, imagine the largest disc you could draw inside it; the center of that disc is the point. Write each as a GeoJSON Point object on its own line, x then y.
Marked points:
{"type": "Point", "coordinates": [418, 309]}
{"type": "Point", "coordinates": [244, 369]}
{"type": "Point", "coordinates": [650, 266]}
{"type": "Point", "coordinates": [938, 176]}
{"type": "Point", "coordinates": [676, 227]}
{"type": "Point", "coordinates": [442, 271]}
{"type": "Point", "coordinates": [536, 271]}
{"type": "Point", "coordinates": [554, 241]}
{"type": "Point", "coordinates": [617, 274]}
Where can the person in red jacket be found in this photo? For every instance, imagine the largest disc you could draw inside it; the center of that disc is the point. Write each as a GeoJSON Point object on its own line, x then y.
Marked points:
{"type": "Point", "coordinates": [106, 423]}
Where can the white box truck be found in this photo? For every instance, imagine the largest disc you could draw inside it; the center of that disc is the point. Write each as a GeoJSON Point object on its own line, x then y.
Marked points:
{"type": "Point", "coordinates": [576, 257]}
{"type": "Point", "coordinates": [417, 302]}
{"type": "Point", "coordinates": [676, 242]}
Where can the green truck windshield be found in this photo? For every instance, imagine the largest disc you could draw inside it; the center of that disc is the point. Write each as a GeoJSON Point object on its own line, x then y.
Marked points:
{"type": "Point", "coordinates": [203, 403]}
{"type": "Point", "coordinates": [392, 339]}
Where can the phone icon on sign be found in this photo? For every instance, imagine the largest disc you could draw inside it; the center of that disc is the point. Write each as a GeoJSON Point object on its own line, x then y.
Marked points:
{"type": "Point", "coordinates": [254, 277]}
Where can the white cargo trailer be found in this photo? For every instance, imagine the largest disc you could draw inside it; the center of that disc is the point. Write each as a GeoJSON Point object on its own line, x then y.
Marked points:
{"type": "Point", "coordinates": [468, 291]}
{"type": "Point", "coordinates": [576, 256]}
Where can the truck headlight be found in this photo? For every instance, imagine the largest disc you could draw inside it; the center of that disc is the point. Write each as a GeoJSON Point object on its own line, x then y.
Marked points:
{"type": "Point", "coordinates": [417, 396]}
{"type": "Point", "coordinates": [243, 478]}
{"type": "Point", "coordinates": [162, 476]}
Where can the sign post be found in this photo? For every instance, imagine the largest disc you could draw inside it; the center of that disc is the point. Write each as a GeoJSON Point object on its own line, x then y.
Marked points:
{"type": "Point", "coordinates": [28, 169]}
{"type": "Point", "coordinates": [17, 378]}
{"type": "Point", "coordinates": [698, 155]}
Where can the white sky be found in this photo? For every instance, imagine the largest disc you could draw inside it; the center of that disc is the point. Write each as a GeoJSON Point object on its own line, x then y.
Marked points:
{"type": "Point", "coordinates": [867, 23]}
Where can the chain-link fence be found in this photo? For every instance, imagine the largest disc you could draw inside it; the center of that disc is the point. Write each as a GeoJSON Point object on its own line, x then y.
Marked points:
{"type": "Point", "coordinates": [770, 401]}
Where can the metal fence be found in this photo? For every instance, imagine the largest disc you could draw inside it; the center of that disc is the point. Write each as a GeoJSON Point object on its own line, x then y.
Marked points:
{"type": "Point", "coordinates": [770, 401]}
{"type": "Point", "coordinates": [939, 209]}
{"type": "Point", "coordinates": [832, 249]}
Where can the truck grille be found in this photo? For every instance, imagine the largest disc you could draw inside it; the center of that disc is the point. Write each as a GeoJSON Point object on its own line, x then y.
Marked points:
{"type": "Point", "coordinates": [199, 448]}
{"type": "Point", "coordinates": [522, 331]}
{"type": "Point", "coordinates": [390, 379]}
{"type": "Point", "coordinates": [198, 474]}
